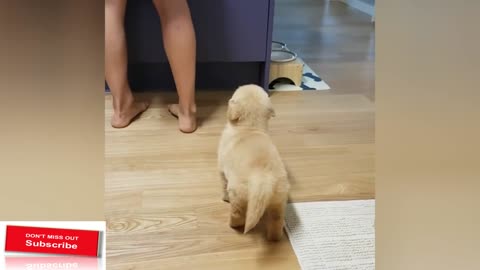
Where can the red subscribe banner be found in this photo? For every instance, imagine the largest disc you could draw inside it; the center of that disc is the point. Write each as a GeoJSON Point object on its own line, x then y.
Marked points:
{"type": "Point", "coordinates": [52, 240]}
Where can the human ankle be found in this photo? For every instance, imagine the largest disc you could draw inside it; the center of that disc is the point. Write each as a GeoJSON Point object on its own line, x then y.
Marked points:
{"type": "Point", "coordinates": [187, 109]}
{"type": "Point", "coordinates": [124, 104]}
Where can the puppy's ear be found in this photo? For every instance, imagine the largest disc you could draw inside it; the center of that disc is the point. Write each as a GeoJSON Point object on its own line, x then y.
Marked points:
{"type": "Point", "coordinates": [234, 111]}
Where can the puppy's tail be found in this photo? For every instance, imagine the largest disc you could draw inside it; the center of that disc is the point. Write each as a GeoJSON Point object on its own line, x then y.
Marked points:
{"type": "Point", "coordinates": [259, 195]}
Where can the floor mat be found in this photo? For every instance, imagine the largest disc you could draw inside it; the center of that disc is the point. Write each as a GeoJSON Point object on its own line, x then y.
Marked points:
{"type": "Point", "coordinates": [336, 235]}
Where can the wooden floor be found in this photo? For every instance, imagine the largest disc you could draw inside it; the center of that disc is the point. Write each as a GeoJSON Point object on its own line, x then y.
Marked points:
{"type": "Point", "coordinates": [162, 199]}
{"type": "Point", "coordinates": [335, 40]}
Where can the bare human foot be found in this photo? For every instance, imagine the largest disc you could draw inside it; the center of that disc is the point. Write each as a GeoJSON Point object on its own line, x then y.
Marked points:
{"type": "Point", "coordinates": [187, 121]}
{"type": "Point", "coordinates": [122, 118]}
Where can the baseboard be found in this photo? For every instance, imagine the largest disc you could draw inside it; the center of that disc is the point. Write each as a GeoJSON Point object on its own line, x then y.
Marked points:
{"type": "Point", "coordinates": [362, 6]}
{"type": "Point", "coordinates": [209, 76]}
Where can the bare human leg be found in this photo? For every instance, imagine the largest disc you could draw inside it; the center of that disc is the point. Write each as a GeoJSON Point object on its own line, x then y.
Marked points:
{"type": "Point", "coordinates": [180, 47]}
{"type": "Point", "coordinates": [124, 105]}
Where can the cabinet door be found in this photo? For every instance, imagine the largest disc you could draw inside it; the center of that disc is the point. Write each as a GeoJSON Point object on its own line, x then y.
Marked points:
{"type": "Point", "coordinates": [227, 30]}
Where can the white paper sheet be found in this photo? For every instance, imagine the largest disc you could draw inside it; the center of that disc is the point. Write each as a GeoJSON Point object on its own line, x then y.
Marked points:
{"type": "Point", "coordinates": [336, 235]}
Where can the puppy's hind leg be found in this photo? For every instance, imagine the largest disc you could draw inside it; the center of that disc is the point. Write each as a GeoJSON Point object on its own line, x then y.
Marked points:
{"type": "Point", "coordinates": [275, 221]}
{"type": "Point", "coordinates": [237, 212]}
{"type": "Point", "coordinates": [224, 180]}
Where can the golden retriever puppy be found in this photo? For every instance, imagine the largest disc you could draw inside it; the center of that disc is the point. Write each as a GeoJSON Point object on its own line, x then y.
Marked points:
{"type": "Point", "coordinates": [253, 174]}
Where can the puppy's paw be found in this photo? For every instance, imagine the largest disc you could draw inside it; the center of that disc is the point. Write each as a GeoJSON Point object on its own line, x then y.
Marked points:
{"type": "Point", "coordinates": [236, 221]}
{"type": "Point", "coordinates": [236, 225]}
{"type": "Point", "coordinates": [274, 236]}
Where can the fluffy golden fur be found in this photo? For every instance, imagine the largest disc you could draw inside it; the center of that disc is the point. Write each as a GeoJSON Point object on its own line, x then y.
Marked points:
{"type": "Point", "coordinates": [254, 177]}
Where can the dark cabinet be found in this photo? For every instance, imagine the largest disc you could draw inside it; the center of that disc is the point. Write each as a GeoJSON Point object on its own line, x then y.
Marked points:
{"type": "Point", "coordinates": [233, 43]}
